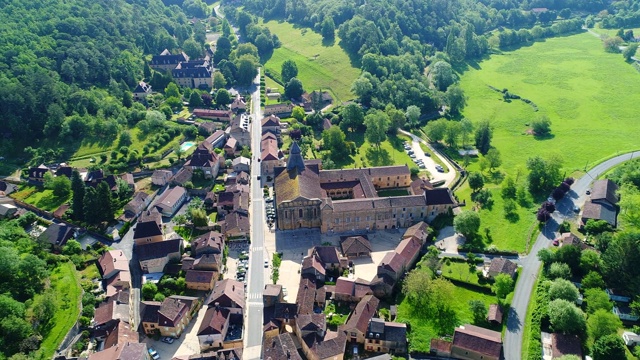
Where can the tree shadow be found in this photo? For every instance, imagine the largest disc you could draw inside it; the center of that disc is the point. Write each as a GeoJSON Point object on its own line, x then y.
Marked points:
{"type": "Point", "coordinates": [356, 137]}
{"type": "Point", "coordinates": [354, 59]}
{"type": "Point", "coordinates": [544, 137]}
{"type": "Point", "coordinates": [512, 217]}
{"type": "Point", "coordinates": [495, 177]}
{"type": "Point", "coordinates": [378, 157]}
{"type": "Point", "coordinates": [328, 42]}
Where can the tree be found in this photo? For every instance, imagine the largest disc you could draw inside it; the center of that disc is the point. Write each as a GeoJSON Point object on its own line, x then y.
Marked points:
{"type": "Point", "coordinates": [77, 201]}
{"type": "Point", "coordinates": [199, 217]}
{"type": "Point", "coordinates": [479, 311]}
{"type": "Point", "coordinates": [377, 123]}
{"type": "Point", "coordinates": [508, 189]}
{"type": "Point", "coordinates": [328, 29]}
{"type": "Point", "coordinates": [431, 298]}
{"type": "Point", "coordinates": [612, 44]}
{"type": "Point", "coordinates": [467, 223]}
{"type": "Point", "coordinates": [436, 130]}
{"type": "Point", "coordinates": [247, 66]}
{"type": "Point", "coordinates": [352, 117]}
{"type": "Point", "coordinates": [442, 75]}
{"type": "Point", "coordinates": [223, 98]}
{"type": "Point", "coordinates": [630, 198]}
{"type": "Point", "coordinates": [363, 89]}
{"type": "Point", "coordinates": [172, 91]}
{"type": "Point", "coordinates": [293, 89]}
{"type": "Point", "coordinates": [72, 247]}
{"type": "Point", "coordinates": [334, 140]}
{"type": "Point", "coordinates": [466, 129]}
{"type": "Point", "coordinates": [546, 256]}
{"type": "Point", "coordinates": [288, 70]}
{"type": "Point", "coordinates": [476, 181]}
{"type": "Point", "coordinates": [563, 289]}
{"type": "Point", "coordinates": [195, 100]}
{"type": "Point", "coordinates": [396, 117]}
{"type": "Point", "coordinates": [570, 255]}
{"type": "Point", "coordinates": [541, 126]}
{"type": "Point", "coordinates": [543, 174]}
{"type": "Point", "coordinates": [10, 307]}
{"type": "Point", "coordinates": [455, 99]}
{"type": "Point", "coordinates": [493, 158]}
{"type": "Point", "coordinates": [592, 280]}
{"type": "Point", "coordinates": [44, 308]}
{"type": "Point", "coordinates": [609, 347]}
{"type": "Point", "coordinates": [413, 115]}
{"type": "Point", "coordinates": [219, 80]}
{"type": "Point", "coordinates": [298, 113]}
{"type": "Point", "coordinates": [630, 51]}
{"type": "Point", "coordinates": [61, 186]}
{"type": "Point", "coordinates": [589, 261]}
{"type": "Point", "coordinates": [484, 133]}
{"type": "Point", "coordinates": [452, 131]}
{"type": "Point", "coordinates": [178, 150]}
{"type": "Point", "coordinates": [597, 299]}
{"type": "Point", "coordinates": [104, 203]}
{"type": "Point", "coordinates": [192, 49]}
{"type": "Point", "coordinates": [502, 286]}
{"type": "Point", "coordinates": [149, 290]}
{"type": "Point", "coordinates": [565, 317]}
{"type": "Point", "coordinates": [559, 270]}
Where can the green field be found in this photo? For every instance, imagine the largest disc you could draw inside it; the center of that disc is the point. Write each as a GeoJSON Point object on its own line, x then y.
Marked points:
{"type": "Point", "coordinates": [319, 66]}
{"type": "Point", "coordinates": [66, 286]}
{"type": "Point", "coordinates": [587, 94]}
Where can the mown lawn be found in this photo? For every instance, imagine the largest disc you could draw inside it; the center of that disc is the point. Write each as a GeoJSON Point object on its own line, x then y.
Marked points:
{"type": "Point", "coordinates": [422, 330]}
{"type": "Point", "coordinates": [585, 92]}
{"type": "Point", "coordinates": [66, 285]}
{"type": "Point", "coordinates": [320, 66]}
{"type": "Point", "coordinates": [40, 198]}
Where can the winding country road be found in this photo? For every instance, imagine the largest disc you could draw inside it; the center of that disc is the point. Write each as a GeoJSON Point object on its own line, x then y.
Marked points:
{"type": "Point", "coordinates": [531, 264]}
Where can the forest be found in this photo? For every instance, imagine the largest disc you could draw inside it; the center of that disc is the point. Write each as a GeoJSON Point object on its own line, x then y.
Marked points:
{"type": "Point", "coordinates": [67, 67]}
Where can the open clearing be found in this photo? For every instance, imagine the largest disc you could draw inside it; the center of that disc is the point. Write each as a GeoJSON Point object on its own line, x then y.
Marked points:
{"type": "Point", "coordinates": [320, 66]}
{"type": "Point", "coordinates": [587, 94]}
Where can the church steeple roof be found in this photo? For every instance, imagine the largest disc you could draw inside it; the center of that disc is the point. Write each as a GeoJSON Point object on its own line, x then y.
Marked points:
{"type": "Point", "coordinates": [295, 160]}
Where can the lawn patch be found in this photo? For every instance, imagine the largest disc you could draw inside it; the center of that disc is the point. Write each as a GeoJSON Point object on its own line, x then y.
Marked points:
{"type": "Point", "coordinates": [41, 198]}
{"type": "Point", "coordinates": [336, 314]}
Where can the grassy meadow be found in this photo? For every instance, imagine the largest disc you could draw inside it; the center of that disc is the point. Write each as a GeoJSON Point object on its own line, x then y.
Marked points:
{"type": "Point", "coordinates": [320, 66]}
{"type": "Point", "coordinates": [66, 286]}
{"type": "Point", "coordinates": [587, 94]}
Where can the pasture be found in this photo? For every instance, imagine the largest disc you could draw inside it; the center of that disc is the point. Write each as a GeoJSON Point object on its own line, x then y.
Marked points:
{"type": "Point", "coordinates": [320, 66]}
{"type": "Point", "coordinates": [587, 94]}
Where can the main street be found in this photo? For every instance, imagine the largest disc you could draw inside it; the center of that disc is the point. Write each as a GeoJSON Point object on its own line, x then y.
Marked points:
{"type": "Point", "coordinates": [256, 275]}
{"type": "Point", "coordinates": [531, 265]}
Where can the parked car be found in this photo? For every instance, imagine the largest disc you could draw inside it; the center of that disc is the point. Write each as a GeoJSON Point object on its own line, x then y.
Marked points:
{"type": "Point", "coordinates": [168, 340]}
{"type": "Point", "coordinates": [439, 168]}
{"type": "Point", "coordinates": [153, 353]}
{"type": "Point", "coordinates": [266, 263]}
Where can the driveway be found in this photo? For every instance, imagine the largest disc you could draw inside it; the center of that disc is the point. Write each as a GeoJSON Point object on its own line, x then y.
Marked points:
{"type": "Point", "coordinates": [448, 240]}
{"type": "Point", "coordinates": [531, 264]}
{"type": "Point", "coordinates": [448, 177]}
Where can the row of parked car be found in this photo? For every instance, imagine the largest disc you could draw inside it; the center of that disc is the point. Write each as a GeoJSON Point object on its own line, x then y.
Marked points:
{"type": "Point", "coordinates": [243, 266]}
{"type": "Point", "coordinates": [270, 210]}
{"type": "Point", "coordinates": [413, 157]}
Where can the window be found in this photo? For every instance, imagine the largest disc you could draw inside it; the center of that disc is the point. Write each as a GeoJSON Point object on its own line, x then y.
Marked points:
{"type": "Point", "coordinates": [354, 334]}
{"type": "Point", "coordinates": [286, 215]}
{"type": "Point", "coordinates": [378, 337]}
{"type": "Point", "coordinates": [348, 219]}
{"type": "Point", "coordinates": [368, 218]}
{"type": "Point", "coordinates": [404, 209]}
{"type": "Point", "coordinates": [357, 218]}
{"type": "Point", "coordinates": [337, 221]}
{"type": "Point", "coordinates": [394, 216]}
{"type": "Point", "coordinates": [300, 213]}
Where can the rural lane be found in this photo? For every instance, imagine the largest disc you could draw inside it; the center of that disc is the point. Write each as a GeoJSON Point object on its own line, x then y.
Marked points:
{"type": "Point", "coordinates": [530, 263]}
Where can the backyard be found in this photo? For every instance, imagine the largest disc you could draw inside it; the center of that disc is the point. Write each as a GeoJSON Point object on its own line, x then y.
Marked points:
{"type": "Point", "coordinates": [320, 66]}
{"type": "Point", "coordinates": [40, 198]}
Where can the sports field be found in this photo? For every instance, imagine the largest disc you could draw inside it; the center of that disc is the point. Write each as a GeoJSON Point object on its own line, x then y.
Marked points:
{"type": "Point", "coordinates": [320, 66]}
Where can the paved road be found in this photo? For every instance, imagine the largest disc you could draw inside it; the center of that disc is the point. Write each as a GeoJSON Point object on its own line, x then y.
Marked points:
{"type": "Point", "coordinates": [448, 177]}
{"type": "Point", "coordinates": [256, 276]}
{"type": "Point", "coordinates": [531, 264]}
